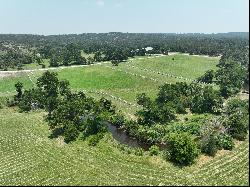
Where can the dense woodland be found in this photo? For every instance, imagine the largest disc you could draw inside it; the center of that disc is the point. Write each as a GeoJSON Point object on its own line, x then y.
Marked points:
{"type": "Point", "coordinates": [65, 49]}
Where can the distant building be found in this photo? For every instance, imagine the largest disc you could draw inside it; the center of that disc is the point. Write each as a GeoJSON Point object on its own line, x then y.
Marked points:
{"type": "Point", "coordinates": [149, 48]}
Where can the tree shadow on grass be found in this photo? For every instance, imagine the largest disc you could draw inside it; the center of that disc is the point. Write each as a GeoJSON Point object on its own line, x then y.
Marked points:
{"type": "Point", "coordinates": [55, 133]}
{"type": "Point", "coordinates": [175, 164]}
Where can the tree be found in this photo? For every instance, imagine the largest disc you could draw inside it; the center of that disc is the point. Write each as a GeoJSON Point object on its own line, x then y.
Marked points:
{"type": "Point", "coordinates": [106, 105]}
{"type": "Point", "coordinates": [154, 113]}
{"type": "Point", "coordinates": [19, 87]}
{"type": "Point", "coordinates": [207, 77]}
{"type": "Point", "coordinates": [81, 61]}
{"type": "Point", "coordinates": [230, 77]}
{"type": "Point", "coordinates": [205, 100]}
{"type": "Point", "coordinates": [90, 60]}
{"type": "Point", "coordinates": [48, 84]}
{"type": "Point", "coordinates": [182, 148]}
{"type": "Point", "coordinates": [176, 93]}
{"type": "Point", "coordinates": [209, 146]}
{"type": "Point", "coordinates": [143, 100]}
{"type": "Point", "coordinates": [54, 61]}
{"type": "Point", "coordinates": [98, 56]}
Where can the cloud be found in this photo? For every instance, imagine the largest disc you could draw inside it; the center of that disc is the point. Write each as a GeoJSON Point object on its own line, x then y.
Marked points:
{"type": "Point", "coordinates": [100, 3]}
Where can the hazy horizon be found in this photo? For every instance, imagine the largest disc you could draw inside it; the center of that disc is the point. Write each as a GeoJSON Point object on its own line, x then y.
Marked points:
{"type": "Point", "coordinates": [111, 32]}
{"type": "Point", "coordinates": [59, 17]}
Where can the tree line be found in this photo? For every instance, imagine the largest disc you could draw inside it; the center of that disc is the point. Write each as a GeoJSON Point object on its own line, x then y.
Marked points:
{"type": "Point", "coordinates": [116, 47]}
{"type": "Point", "coordinates": [232, 75]}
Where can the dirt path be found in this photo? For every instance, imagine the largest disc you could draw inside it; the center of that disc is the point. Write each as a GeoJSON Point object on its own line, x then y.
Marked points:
{"type": "Point", "coordinates": [13, 73]}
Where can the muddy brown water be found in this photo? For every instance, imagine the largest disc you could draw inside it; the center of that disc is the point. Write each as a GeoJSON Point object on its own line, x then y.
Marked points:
{"type": "Point", "coordinates": [123, 138]}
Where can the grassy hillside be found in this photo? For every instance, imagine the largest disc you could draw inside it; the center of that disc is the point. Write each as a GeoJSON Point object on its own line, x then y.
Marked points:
{"type": "Point", "coordinates": [122, 84]}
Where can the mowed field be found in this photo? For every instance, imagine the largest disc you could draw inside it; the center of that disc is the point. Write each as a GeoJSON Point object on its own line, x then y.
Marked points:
{"type": "Point", "coordinates": [29, 157]}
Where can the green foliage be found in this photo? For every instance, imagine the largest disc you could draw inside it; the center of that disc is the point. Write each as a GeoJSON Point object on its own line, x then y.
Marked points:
{"type": "Point", "coordinates": [46, 95]}
{"type": "Point", "coordinates": [65, 160]}
{"type": "Point", "coordinates": [73, 112]}
{"type": "Point", "coordinates": [115, 56]}
{"type": "Point", "coordinates": [230, 77]}
{"type": "Point", "coordinates": [114, 63]}
{"type": "Point", "coordinates": [70, 132]}
{"type": "Point", "coordinates": [156, 114]}
{"type": "Point", "coordinates": [182, 148]}
{"type": "Point", "coordinates": [225, 141]}
{"type": "Point", "coordinates": [98, 56]}
{"type": "Point", "coordinates": [106, 105]}
{"type": "Point", "coordinates": [19, 87]}
{"type": "Point", "coordinates": [118, 120]}
{"type": "Point", "coordinates": [150, 134]}
{"type": "Point", "coordinates": [205, 100]}
{"type": "Point", "coordinates": [93, 125]}
{"type": "Point", "coordinates": [209, 145]}
{"type": "Point", "coordinates": [138, 151]}
{"type": "Point", "coordinates": [156, 111]}
{"type": "Point", "coordinates": [233, 72]}
{"type": "Point", "coordinates": [84, 112]}
{"type": "Point", "coordinates": [81, 61]}
{"type": "Point", "coordinates": [94, 139]}
{"type": "Point", "coordinates": [31, 100]}
{"type": "Point", "coordinates": [174, 94]}
{"type": "Point", "coordinates": [237, 115]}
{"type": "Point", "coordinates": [216, 141]}
{"type": "Point", "coordinates": [64, 55]}
{"type": "Point", "coordinates": [15, 58]}
{"type": "Point", "coordinates": [207, 77]}
{"type": "Point", "coordinates": [235, 105]}
{"type": "Point", "coordinates": [191, 127]}
{"type": "Point", "coordinates": [143, 100]}
{"type": "Point", "coordinates": [237, 126]}
{"type": "Point", "coordinates": [154, 150]}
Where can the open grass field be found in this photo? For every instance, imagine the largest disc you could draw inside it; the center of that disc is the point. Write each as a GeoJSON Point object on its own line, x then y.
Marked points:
{"type": "Point", "coordinates": [29, 157]}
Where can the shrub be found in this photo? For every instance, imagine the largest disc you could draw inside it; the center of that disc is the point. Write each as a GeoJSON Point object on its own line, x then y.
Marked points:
{"type": "Point", "coordinates": [182, 148]}
{"type": "Point", "coordinates": [237, 126]}
{"type": "Point", "coordinates": [125, 148]}
{"type": "Point", "coordinates": [235, 105]}
{"type": "Point", "coordinates": [191, 127]}
{"type": "Point", "coordinates": [209, 145]}
{"type": "Point", "coordinates": [94, 139]}
{"type": "Point", "coordinates": [154, 150]}
{"type": "Point", "coordinates": [225, 141]}
{"type": "Point", "coordinates": [10, 102]}
{"type": "Point", "coordinates": [118, 120]}
{"type": "Point", "coordinates": [19, 87]}
{"type": "Point", "coordinates": [138, 151]}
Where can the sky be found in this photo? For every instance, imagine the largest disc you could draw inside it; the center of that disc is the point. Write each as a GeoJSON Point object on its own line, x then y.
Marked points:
{"type": "Point", "coordinates": [48, 17]}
